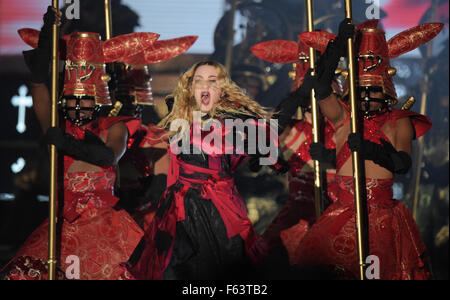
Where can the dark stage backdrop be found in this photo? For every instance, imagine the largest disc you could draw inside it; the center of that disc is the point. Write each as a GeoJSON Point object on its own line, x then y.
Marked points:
{"type": "Point", "coordinates": [23, 161]}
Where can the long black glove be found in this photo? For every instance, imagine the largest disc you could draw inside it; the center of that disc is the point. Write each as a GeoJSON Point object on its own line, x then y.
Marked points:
{"type": "Point", "coordinates": [38, 60]}
{"type": "Point", "coordinates": [288, 107]}
{"type": "Point", "coordinates": [157, 187]}
{"type": "Point", "coordinates": [384, 155]}
{"type": "Point", "coordinates": [253, 164]}
{"type": "Point", "coordinates": [326, 65]}
{"type": "Point", "coordinates": [281, 166]}
{"type": "Point", "coordinates": [91, 149]}
{"type": "Point", "coordinates": [321, 86]}
{"type": "Point", "coordinates": [319, 152]}
{"type": "Point", "coordinates": [278, 163]}
{"type": "Point", "coordinates": [329, 60]}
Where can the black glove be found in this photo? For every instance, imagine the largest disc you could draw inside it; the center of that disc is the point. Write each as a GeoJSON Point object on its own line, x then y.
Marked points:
{"type": "Point", "coordinates": [384, 155]}
{"type": "Point", "coordinates": [319, 152]}
{"type": "Point", "coordinates": [157, 187]}
{"type": "Point", "coordinates": [329, 60]}
{"type": "Point", "coordinates": [321, 86]}
{"type": "Point", "coordinates": [45, 36]}
{"type": "Point", "coordinates": [38, 60]}
{"type": "Point", "coordinates": [288, 107]}
{"type": "Point", "coordinates": [91, 149]}
{"type": "Point", "coordinates": [321, 83]}
{"type": "Point", "coordinates": [346, 31]}
{"type": "Point", "coordinates": [281, 166]}
{"type": "Point", "coordinates": [253, 164]}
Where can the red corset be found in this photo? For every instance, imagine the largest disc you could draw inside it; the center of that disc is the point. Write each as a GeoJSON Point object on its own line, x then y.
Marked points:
{"type": "Point", "coordinates": [379, 196]}
{"type": "Point", "coordinates": [379, 191]}
{"type": "Point", "coordinates": [84, 190]}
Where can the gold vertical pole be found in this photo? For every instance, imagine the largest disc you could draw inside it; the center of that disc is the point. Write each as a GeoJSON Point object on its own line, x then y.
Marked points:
{"type": "Point", "coordinates": [300, 115]}
{"type": "Point", "coordinates": [52, 261]}
{"type": "Point", "coordinates": [315, 117]}
{"type": "Point", "coordinates": [108, 20]}
{"type": "Point", "coordinates": [423, 111]}
{"type": "Point", "coordinates": [359, 205]}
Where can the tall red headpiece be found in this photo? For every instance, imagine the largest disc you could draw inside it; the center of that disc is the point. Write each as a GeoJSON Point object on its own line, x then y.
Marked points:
{"type": "Point", "coordinates": [86, 56]}
{"type": "Point", "coordinates": [373, 59]}
{"type": "Point", "coordinates": [85, 73]}
{"type": "Point", "coordinates": [374, 53]}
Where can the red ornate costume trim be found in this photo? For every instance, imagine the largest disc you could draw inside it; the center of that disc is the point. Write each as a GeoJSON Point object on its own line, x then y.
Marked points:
{"type": "Point", "coordinates": [162, 51]}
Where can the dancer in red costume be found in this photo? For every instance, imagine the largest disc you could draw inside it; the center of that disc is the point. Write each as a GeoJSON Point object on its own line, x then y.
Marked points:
{"type": "Point", "coordinates": [91, 231]}
{"type": "Point", "coordinates": [201, 229]}
{"type": "Point", "coordinates": [296, 138]}
{"type": "Point", "coordinates": [385, 147]}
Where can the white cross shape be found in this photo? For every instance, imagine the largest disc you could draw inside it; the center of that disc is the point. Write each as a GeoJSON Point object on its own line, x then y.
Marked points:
{"type": "Point", "coordinates": [22, 101]}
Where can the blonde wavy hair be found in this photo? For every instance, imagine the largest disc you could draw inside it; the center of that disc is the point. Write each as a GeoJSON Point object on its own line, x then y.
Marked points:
{"type": "Point", "coordinates": [232, 100]}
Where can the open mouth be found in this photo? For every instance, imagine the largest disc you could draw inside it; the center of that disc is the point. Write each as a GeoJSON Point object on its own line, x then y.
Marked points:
{"type": "Point", "coordinates": [206, 97]}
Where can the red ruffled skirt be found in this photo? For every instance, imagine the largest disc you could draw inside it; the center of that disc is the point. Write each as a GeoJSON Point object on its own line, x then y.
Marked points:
{"type": "Point", "coordinates": [91, 230]}
{"type": "Point", "coordinates": [393, 235]}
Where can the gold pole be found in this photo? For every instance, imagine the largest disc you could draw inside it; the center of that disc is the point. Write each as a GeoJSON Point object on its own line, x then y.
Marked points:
{"type": "Point", "coordinates": [423, 111]}
{"type": "Point", "coordinates": [52, 261]}
{"type": "Point", "coordinates": [230, 31]}
{"type": "Point", "coordinates": [300, 115]}
{"type": "Point", "coordinates": [360, 208]}
{"type": "Point", "coordinates": [315, 118]}
{"type": "Point", "coordinates": [108, 20]}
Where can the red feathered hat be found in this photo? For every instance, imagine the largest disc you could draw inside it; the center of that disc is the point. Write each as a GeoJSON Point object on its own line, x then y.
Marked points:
{"type": "Point", "coordinates": [284, 51]}
{"type": "Point", "coordinates": [86, 56]}
{"type": "Point", "coordinates": [374, 53]}
{"type": "Point", "coordinates": [135, 80]}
